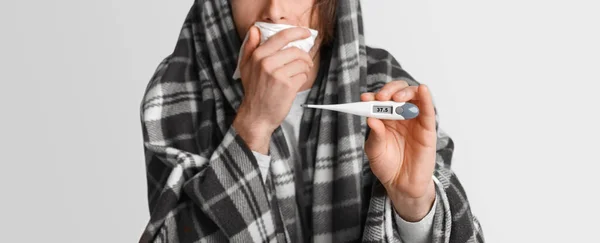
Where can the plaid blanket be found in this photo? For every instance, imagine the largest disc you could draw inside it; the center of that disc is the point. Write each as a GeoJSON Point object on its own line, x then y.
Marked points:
{"type": "Point", "coordinates": [204, 184]}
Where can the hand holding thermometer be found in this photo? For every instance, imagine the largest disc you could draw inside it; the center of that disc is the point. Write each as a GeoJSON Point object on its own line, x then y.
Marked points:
{"type": "Point", "coordinates": [387, 110]}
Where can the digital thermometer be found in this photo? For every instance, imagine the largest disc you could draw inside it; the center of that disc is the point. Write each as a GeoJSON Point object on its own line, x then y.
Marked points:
{"type": "Point", "coordinates": [387, 110]}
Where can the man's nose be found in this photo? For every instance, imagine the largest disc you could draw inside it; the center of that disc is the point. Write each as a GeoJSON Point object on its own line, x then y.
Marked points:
{"type": "Point", "coordinates": [275, 12]}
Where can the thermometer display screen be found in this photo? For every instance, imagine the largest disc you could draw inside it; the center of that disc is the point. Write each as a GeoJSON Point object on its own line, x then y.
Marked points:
{"type": "Point", "coordinates": [382, 109]}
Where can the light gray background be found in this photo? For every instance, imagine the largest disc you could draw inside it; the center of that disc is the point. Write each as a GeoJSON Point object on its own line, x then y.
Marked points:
{"type": "Point", "coordinates": [515, 82]}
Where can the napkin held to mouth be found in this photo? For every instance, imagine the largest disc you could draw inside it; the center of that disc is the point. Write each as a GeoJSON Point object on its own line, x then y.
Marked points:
{"type": "Point", "coordinates": [267, 30]}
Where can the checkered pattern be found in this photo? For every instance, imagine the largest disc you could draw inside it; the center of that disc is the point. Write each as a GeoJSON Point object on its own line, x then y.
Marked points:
{"type": "Point", "coordinates": [204, 184]}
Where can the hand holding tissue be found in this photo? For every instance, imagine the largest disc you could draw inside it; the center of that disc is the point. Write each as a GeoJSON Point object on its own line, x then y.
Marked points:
{"type": "Point", "coordinates": [267, 30]}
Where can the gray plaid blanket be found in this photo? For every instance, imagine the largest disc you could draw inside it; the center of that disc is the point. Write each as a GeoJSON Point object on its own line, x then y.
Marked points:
{"type": "Point", "coordinates": [204, 184]}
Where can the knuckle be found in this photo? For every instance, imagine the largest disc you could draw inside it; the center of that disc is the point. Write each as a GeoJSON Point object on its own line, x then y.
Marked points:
{"type": "Point", "coordinates": [255, 56]}
{"type": "Point", "coordinates": [284, 83]}
{"type": "Point", "coordinates": [276, 77]}
{"type": "Point", "coordinates": [265, 64]}
{"type": "Point", "coordinates": [273, 76]}
{"type": "Point", "coordinates": [302, 77]}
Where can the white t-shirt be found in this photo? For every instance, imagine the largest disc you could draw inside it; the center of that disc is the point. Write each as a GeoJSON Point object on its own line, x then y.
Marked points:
{"type": "Point", "coordinates": [410, 232]}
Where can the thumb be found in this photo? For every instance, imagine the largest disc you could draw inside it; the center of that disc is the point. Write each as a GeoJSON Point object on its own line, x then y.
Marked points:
{"type": "Point", "coordinates": [375, 145]}
{"type": "Point", "coordinates": [251, 43]}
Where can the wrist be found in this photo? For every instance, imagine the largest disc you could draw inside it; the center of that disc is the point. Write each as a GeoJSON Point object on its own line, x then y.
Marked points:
{"type": "Point", "coordinates": [256, 134]}
{"type": "Point", "coordinates": [413, 209]}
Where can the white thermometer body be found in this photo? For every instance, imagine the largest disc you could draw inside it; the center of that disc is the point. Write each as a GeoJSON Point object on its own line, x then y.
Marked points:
{"type": "Point", "coordinates": [387, 110]}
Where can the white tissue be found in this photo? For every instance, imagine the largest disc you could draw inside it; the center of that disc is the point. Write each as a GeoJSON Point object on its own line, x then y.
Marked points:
{"type": "Point", "coordinates": [267, 30]}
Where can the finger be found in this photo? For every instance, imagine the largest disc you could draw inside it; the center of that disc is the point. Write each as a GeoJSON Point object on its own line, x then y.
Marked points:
{"type": "Point", "coordinates": [406, 94]}
{"type": "Point", "coordinates": [369, 96]}
{"type": "Point", "coordinates": [283, 57]}
{"type": "Point", "coordinates": [298, 80]}
{"type": "Point", "coordinates": [251, 43]}
{"type": "Point", "coordinates": [389, 89]}
{"type": "Point", "coordinates": [377, 136]}
{"type": "Point", "coordinates": [426, 108]}
{"type": "Point", "coordinates": [292, 69]}
{"type": "Point", "coordinates": [280, 40]}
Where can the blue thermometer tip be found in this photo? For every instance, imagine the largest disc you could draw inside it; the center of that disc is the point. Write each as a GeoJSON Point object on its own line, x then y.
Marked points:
{"type": "Point", "coordinates": [408, 110]}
